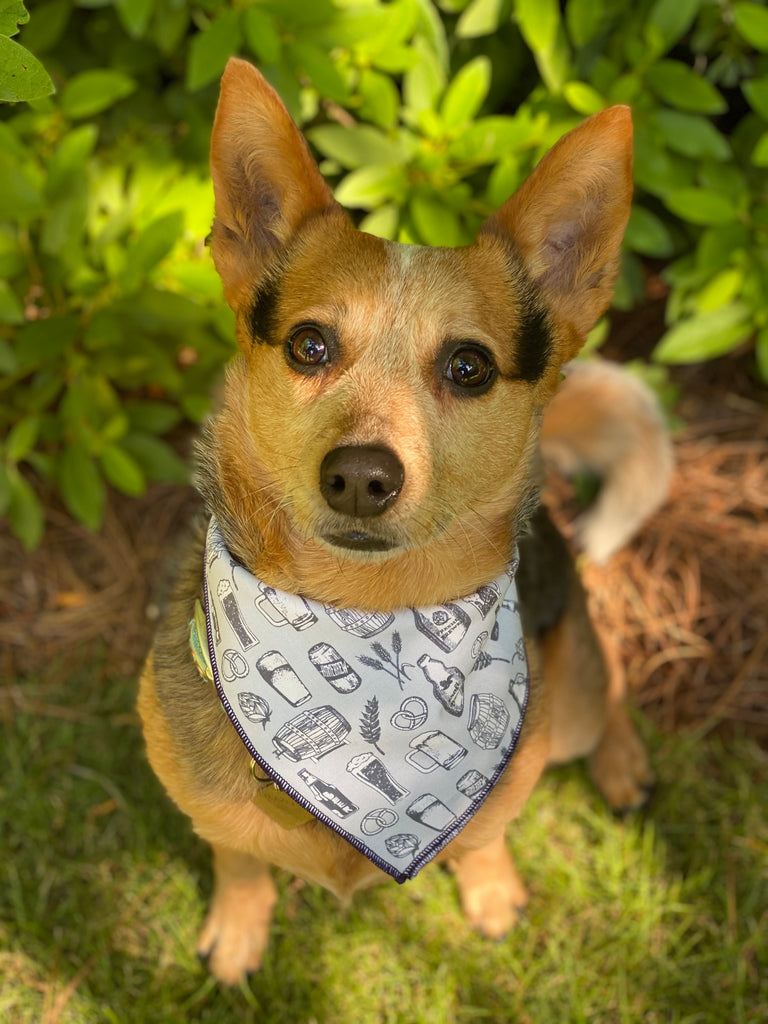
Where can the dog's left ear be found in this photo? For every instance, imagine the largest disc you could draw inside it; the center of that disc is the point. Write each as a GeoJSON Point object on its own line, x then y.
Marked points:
{"type": "Point", "coordinates": [567, 221]}
{"type": "Point", "coordinates": [265, 181]}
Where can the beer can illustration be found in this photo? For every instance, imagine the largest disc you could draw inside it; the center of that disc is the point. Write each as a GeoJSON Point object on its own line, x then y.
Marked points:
{"type": "Point", "coordinates": [333, 668]}
{"type": "Point", "coordinates": [276, 671]}
{"type": "Point", "coordinates": [232, 611]}
{"type": "Point", "coordinates": [485, 598]}
{"type": "Point", "coordinates": [372, 771]}
{"type": "Point", "coordinates": [445, 625]}
{"type": "Point", "coordinates": [311, 734]}
{"type": "Point", "coordinates": [360, 623]}
{"type": "Point", "coordinates": [430, 811]}
{"type": "Point", "coordinates": [488, 720]}
{"type": "Point", "coordinates": [284, 609]}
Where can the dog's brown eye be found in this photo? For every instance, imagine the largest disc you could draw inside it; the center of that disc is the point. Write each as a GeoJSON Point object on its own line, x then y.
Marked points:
{"type": "Point", "coordinates": [470, 368]}
{"type": "Point", "coordinates": [307, 347]}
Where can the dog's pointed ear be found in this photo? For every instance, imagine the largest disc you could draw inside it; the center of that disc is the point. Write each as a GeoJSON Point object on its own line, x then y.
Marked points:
{"type": "Point", "coordinates": [265, 181]}
{"type": "Point", "coordinates": [567, 220]}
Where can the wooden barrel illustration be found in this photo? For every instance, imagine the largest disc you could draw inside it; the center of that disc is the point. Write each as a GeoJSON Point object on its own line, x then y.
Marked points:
{"type": "Point", "coordinates": [488, 720]}
{"type": "Point", "coordinates": [311, 734]}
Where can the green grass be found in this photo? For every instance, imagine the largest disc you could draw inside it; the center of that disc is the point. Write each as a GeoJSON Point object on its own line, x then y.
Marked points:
{"type": "Point", "coordinates": [661, 918]}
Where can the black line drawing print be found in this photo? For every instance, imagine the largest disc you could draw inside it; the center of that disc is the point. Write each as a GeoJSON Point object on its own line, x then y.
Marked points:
{"type": "Point", "coordinates": [276, 671]}
{"type": "Point", "coordinates": [362, 624]}
{"type": "Point", "coordinates": [519, 652]}
{"type": "Point", "coordinates": [215, 621]}
{"type": "Point", "coordinates": [518, 682]}
{"type": "Point", "coordinates": [333, 668]}
{"type": "Point", "coordinates": [483, 660]}
{"type": "Point", "coordinates": [445, 626]}
{"type": "Point", "coordinates": [387, 662]}
{"type": "Point", "coordinates": [488, 720]}
{"type": "Point", "coordinates": [447, 683]}
{"type": "Point", "coordinates": [216, 549]}
{"type": "Point", "coordinates": [233, 666]}
{"type": "Point", "coordinates": [254, 707]}
{"type": "Point", "coordinates": [370, 727]}
{"type": "Point", "coordinates": [430, 811]}
{"type": "Point", "coordinates": [472, 782]}
{"type": "Point", "coordinates": [328, 796]}
{"type": "Point", "coordinates": [311, 734]}
{"type": "Point", "coordinates": [374, 773]}
{"type": "Point", "coordinates": [232, 611]}
{"type": "Point", "coordinates": [402, 844]}
{"type": "Point", "coordinates": [284, 609]}
{"type": "Point", "coordinates": [434, 749]}
{"type": "Point", "coordinates": [485, 598]}
{"type": "Point", "coordinates": [377, 820]}
{"type": "Point", "coordinates": [411, 714]}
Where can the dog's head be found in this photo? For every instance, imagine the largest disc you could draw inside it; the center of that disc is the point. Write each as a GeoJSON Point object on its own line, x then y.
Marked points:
{"type": "Point", "coordinates": [385, 409]}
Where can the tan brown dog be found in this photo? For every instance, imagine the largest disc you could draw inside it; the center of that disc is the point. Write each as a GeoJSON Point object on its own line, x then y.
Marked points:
{"type": "Point", "coordinates": [433, 368]}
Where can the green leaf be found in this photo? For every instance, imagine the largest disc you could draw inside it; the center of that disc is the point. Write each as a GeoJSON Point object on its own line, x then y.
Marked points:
{"type": "Point", "coordinates": [5, 490]}
{"type": "Point", "coordinates": [12, 14]}
{"type": "Point", "coordinates": [156, 458]}
{"type": "Point", "coordinates": [21, 438]}
{"type": "Point", "coordinates": [382, 222]}
{"type": "Point", "coordinates": [210, 50]}
{"type": "Point", "coordinates": [761, 354]}
{"type": "Point", "coordinates": [90, 92]}
{"type": "Point", "coordinates": [320, 69]}
{"type": "Point", "coordinates": [756, 91]}
{"type": "Point", "coordinates": [760, 153]}
{"type": "Point", "coordinates": [25, 511]}
{"type": "Point", "coordinates": [424, 82]}
{"type": "Point", "coordinates": [81, 485]}
{"type": "Point", "coordinates": [11, 309]}
{"type": "Point", "coordinates": [481, 18]}
{"type": "Point", "coordinates": [692, 135]}
{"type": "Point", "coordinates": [69, 158]}
{"type": "Point", "coordinates": [701, 206]}
{"type": "Point", "coordinates": [584, 19]}
{"type": "Point", "coordinates": [47, 27]}
{"type": "Point", "coordinates": [151, 247]}
{"type": "Point", "coordinates": [22, 76]}
{"type": "Point", "coordinates": [135, 15]}
{"type": "Point", "coordinates": [673, 19]}
{"type": "Point", "coordinates": [705, 336]}
{"type": "Point", "coordinates": [751, 22]}
{"type": "Point", "coordinates": [718, 246]}
{"type": "Point", "coordinates": [368, 187]}
{"type": "Point", "coordinates": [261, 34]}
{"type": "Point", "coordinates": [722, 289]}
{"type": "Point", "coordinates": [356, 146]}
{"type": "Point", "coordinates": [538, 21]}
{"type": "Point", "coordinates": [122, 470]}
{"type": "Point", "coordinates": [583, 98]}
{"type": "Point", "coordinates": [681, 87]}
{"type": "Point", "coordinates": [435, 222]}
{"type": "Point", "coordinates": [41, 341]}
{"type": "Point", "coordinates": [490, 138]}
{"type": "Point", "coordinates": [380, 98]}
{"type": "Point", "coordinates": [152, 417]}
{"type": "Point", "coordinates": [466, 93]}
{"type": "Point", "coordinates": [647, 234]}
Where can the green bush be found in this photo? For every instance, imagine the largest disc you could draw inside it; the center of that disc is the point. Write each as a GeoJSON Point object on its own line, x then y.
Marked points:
{"type": "Point", "coordinates": [425, 116]}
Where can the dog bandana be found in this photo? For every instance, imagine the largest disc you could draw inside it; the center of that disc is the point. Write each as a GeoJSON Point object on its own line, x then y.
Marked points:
{"type": "Point", "coordinates": [389, 727]}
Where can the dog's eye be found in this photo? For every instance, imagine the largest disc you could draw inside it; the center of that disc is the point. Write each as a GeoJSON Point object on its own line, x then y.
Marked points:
{"type": "Point", "coordinates": [470, 368]}
{"type": "Point", "coordinates": [307, 347]}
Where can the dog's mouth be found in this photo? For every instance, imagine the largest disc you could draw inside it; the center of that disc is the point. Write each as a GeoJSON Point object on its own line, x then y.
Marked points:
{"type": "Point", "coordinates": [357, 540]}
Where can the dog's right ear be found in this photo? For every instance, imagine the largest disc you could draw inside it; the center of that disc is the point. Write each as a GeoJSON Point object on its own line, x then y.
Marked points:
{"type": "Point", "coordinates": [265, 181]}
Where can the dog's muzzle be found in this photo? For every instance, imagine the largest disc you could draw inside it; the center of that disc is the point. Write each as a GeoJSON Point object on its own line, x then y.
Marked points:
{"type": "Point", "coordinates": [361, 480]}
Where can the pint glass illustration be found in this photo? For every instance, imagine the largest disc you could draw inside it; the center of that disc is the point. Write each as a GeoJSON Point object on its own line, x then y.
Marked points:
{"type": "Point", "coordinates": [431, 811]}
{"type": "Point", "coordinates": [276, 671]}
{"type": "Point", "coordinates": [232, 611]}
{"type": "Point", "coordinates": [372, 771]}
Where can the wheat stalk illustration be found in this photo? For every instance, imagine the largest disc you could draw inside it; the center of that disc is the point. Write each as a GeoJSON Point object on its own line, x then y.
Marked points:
{"type": "Point", "coordinates": [370, 728]}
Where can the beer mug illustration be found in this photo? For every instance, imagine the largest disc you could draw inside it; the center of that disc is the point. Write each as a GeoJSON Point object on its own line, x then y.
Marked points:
{"type": "Point", "coordinates": [275, 670]}
{"type": "Point", "coordinates": [232, 611]}
{"type": "Point", "coordinates": [431, 811]}
{"type": "Point", "coordinates": [311, 734]}
{"type": "Point", "coordinates": [434, 749]}
{"type": "Point", "coordinates": [333, 668]}
{"type": "Point", "coordinates": [360, 623]}
{"type": "Point", "coordinates": [284, 609]}
{"type": "Point", "coordinates": [445, 625]}
{"type": "Point", "coordinates": [472, 782]}
{"type": "Point", "coordinates": [371, 770]}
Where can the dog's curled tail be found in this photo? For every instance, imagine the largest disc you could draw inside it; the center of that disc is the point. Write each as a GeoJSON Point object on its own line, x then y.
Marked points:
{"type": "Point", "coordinates": [606, 421]}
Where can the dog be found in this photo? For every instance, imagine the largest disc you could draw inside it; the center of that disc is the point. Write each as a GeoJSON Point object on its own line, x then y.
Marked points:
{"type": "Point", "coordinates": [376, 454]}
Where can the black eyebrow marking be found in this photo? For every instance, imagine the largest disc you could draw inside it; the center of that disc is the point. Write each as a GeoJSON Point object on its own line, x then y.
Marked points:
{"type": "Point", "coordinates": [262, 316]}
{"type": "Point", "coordinates": [533, 345]}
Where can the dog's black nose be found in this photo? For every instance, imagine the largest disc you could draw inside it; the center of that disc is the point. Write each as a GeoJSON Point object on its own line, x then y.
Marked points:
{"type": "Point", "coordinates": [361, 480]}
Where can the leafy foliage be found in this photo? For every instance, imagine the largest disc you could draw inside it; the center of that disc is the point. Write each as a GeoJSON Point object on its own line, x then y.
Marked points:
{"type": "Point", "coordinates": [426, 115]}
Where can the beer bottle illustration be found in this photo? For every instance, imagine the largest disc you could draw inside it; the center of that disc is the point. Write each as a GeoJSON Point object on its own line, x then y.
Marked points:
{"type": "Point", "coordinates": [333, 668]}
{"type": "Point", "coordinates": [445, 625]}
{"type": "Point", "coordinates": [232, 611]}
{"type": "Point", "coordinates": [447, 683]}
{"type": "Point", "coordinates": [328, 796]}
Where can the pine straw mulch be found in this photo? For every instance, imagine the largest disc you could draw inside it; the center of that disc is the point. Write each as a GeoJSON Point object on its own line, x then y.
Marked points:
{"type": "Point", "coordinates": [685, 606]}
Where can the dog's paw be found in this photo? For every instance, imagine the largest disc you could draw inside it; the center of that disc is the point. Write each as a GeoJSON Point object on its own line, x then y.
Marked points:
{"type": "Point", "coordinates": [492, 893]}
{"type": "Point", "coordinates": [620, 766]}
{"type": "Point", "coordinates": [236, 930]}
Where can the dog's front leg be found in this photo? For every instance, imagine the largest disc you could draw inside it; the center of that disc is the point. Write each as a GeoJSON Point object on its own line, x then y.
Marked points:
{"type": "Point", "coordinates": [236, 929]}
{"type": "Point", "coordinates": [491, 891]}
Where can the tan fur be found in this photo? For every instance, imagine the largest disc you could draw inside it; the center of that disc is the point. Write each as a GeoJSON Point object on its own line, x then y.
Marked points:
{"type": "Point", "coordinates": [469, 475]}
